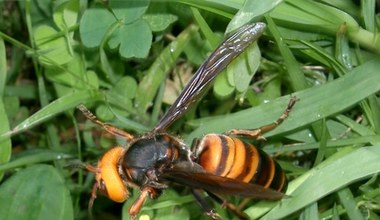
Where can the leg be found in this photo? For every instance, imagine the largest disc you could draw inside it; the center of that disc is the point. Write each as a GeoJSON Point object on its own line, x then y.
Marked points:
{"type": "Point", "coordinates": [137, 205]}
{"type": "Point", "coordinates": [241, 215]}
{"type": "Point", "coordinates": [94, 187]}
{"type": "Point", "coordinates": [92, 199]}
{"type": "Point", "coordinates": [256, 133]}
{"type": "Point", "coordinates": [207, 209]}
{"type": "Point", "coordinates": [243, 203]}
{"type": "Point", "coordinates": [109, 128]}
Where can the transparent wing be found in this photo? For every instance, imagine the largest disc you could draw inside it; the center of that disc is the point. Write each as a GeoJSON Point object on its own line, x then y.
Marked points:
{"type": "Point", "coordinates": [230, 48]}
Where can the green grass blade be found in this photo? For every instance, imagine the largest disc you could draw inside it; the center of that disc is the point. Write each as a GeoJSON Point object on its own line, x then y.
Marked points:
{"type": "Point", "coordinates": [60, 105]}
{"type": "Point", "coordinates": [251, 11]}
{"type": "Point", "coordinates": [306, 15]}
{"type": "Point", "coordinates": [329, 176]}
{"type": "Point", "coordinates": [368, 13]}
{"type": "Point", "coordinates": [225, 8]}
{"type": "Point", "coordinates": [362, 140]}
{"type": "Point", "coordinates": [5, 145]}
{"type": "Point", "coordinates": [297, 78]}
{"type": "Point", "coordinates": [310, 212]}
{"type": "Point", "coordinates": [156, 74]}
{"type": "Point", "coordinates": [349, 204]}
{"type": "Point", "coordinates": [205, 28]}
{"type": "Point", "coordinates": [34, 157]}
{"type": "Point", "coordinates": [314, 104]}
{"type": "Point", "coordinates": [3, 67]}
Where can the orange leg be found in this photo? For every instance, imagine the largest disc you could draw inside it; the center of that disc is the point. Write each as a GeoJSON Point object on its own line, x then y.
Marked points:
{"type": "Point", "coordinates": [257, 133]}
{"type": "Point", "coordinates": [137, 205]}
{"type": "Point", "coordinates": [109, 128]}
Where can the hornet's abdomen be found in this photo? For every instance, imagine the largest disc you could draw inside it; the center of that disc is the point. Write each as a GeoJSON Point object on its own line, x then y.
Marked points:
{"type": "Point", "coordinates": [230, 157]}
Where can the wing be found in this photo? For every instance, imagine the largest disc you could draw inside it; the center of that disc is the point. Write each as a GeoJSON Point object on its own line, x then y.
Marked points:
{"type": "Point", "coordinates": [219, 185]}
{"type": "Point", "coordinates": [218, 60]}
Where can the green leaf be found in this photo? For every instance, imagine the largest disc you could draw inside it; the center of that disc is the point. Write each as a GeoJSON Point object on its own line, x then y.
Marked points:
{"type": "Point", "coordinates": [271, 91]}
{"type": "Point", "coordinates": [92, 29]}
{"type": "Point", "coordinates": [251, 11]}
{"type": "Point", "coordinates": [124, 28]}
{"type": "Point", "coordinates": [129, 11]}
{"type": "Point", "coordinates": [243, 69]}
{"type": "Point", "coordinates": [222, 88]}
{"type": "Point", "coordinates": [125, 87]}
{"type": "Point", "coordinates": [135, 39]}
{"type": "Point", "coordinates": [73, 76]}
{"type": "Point", "coordinates": [159, 22]}
{"type": "Point", "coordinates": [39, 10]}
{"type": "Point", "coordinates": [66, 14]}
{"type": "Point", "coordinates": [53, 48]}
{"type": "Point", "coordinates": [120, 97]}
{"type": "Point", "coordinates": [37, 192]}
{"type": "Point", "coordinates": [239, 73]}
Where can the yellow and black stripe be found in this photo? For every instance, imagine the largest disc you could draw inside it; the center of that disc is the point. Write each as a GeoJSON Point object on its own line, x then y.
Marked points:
{"type": "Point", "coordinates": [233, 158]}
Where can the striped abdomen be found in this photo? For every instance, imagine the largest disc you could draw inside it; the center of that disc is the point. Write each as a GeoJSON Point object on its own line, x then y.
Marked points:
{"type": "Point", "coordinates": [230, 157]}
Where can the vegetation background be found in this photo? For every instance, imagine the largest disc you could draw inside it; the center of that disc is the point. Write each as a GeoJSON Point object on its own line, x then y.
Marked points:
{"type": "Point", "coordinates": [128, 60]}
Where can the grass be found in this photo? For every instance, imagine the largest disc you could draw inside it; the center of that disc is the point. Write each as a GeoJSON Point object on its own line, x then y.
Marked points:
{"type": "Point", "coordinates": [56, 56]}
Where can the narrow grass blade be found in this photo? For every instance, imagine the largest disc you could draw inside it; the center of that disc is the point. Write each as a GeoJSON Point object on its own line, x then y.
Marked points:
{"type": "Point", "coordinates": [331, 175]}
{"type": "Point", "coordinates": [60, 105]}
{"type": "Point", "coordinates": [156, 74]}
{"type": "Point", "coordinates": [313, 104]}
{"type": "Point", "coordinates": [5, 145]}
